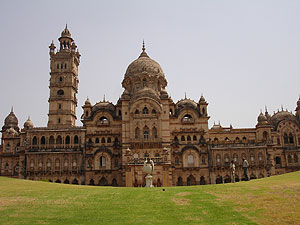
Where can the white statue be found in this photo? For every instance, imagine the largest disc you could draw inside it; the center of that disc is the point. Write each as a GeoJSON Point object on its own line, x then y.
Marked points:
{"type": "Point", "coordinates": [148, 169]}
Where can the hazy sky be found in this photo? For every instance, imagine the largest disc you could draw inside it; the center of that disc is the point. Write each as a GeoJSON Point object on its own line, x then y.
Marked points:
{"type": "Point", "coordinates": [242, 55]}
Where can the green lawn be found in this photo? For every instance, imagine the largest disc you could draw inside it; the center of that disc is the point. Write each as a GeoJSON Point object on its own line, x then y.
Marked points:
{"type": "Point", "coordinates": [274, 200]}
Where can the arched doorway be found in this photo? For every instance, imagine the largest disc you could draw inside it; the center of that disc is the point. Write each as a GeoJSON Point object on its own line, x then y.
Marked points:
{"type": "Point", "coordinates": [202, 180]}
{"type": "Point", "coordinates": [92, 182]}
{"type": "Point", "coordinates": [75, 181]}
{"type": "Point", "coordinates": [227, 179]}
{"type": "Point", "coordinates": [179, 181]}
{"type": "Point", "coordinates": [219, 180]}
{"type": "Point", "coordinates": [102, 182]}
{"type": "Point", "coordinates": [114, 182]}
{"type": "Point", "coordinates": [66, 181]}
{"type": "Point", "coordinates": [191, 180]}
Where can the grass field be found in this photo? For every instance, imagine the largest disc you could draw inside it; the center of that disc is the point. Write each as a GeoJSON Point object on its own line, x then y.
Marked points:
{"type": "Point", "coordinates": [274, 200]}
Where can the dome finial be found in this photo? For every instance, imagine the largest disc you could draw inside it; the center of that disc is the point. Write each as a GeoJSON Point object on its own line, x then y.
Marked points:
{"type": "Point", "coordinates": [184, 95]}
{"type": "Point", "coordinates": [12, 109]}
{"type": "Point", "coordinates": [143, 48]}
{"type": "Point", "coordinates": [104, 98]}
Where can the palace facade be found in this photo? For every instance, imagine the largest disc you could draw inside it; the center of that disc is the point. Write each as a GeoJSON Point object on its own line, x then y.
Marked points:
{"type": "Point", "coordinates": [114, 139]}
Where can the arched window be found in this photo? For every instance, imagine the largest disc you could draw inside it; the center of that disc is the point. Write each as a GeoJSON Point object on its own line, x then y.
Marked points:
{"type": "Point", "coordinates": [188, 138]}
{"type": "Point", "coordinates": [48, 163]}
{"type": "Point", "coordinates": [176, 161]}
{"type": "Point", "coordinates": [57, 163]}
{"type": "Point", "coordinates": [226, 158]}
{"type": "Point", "coordinates": [235, 157]}
{"type": "Point", "coordinates": [291, 138]}
{"type": "Point", "coordinates": [203, 160]}
{"type": "Point", "coordinates": [104, 120]}
{"type": "Point", "coordinates": [32, 163]}
{"type": "Point", "coordinates": [137, 133]}
{"type": "Point", "coordinates": [66, 163]}
{"type": "Point", "coordinates": [260, 157]}
{"type": "Point", "coordinates": [203, 111]}
{"type": "Point", "coordinates": [153, 111]}
{"type": "Point", "coordinates": [295, 158]}
{"type": "Point", "coordinates": [175, 139]}
{"type": "Point", "coordinates": [86, 113]}
{"type": "Point", "coordinates": [74, 164]}
{"type": "Point", "coordinates": [171, 112]}
{"type": "Point", "coordinates": [194, 138]}
{"type": "Point", "coordinates": [216, 139]}
{"type": "Point", "coordinates": [289, 159]}
{"type": "Point", "coordinates": [237, 139]}
{"type": "Point", "coordinates": [144, 82]}
{"type": "Point", "coordinates": [146, 132]}
{"type": "Point", "coordinates": [226, 139]}
{"type": "Point", "coordinates": [137, 111]}
{"type": "Point", "coordinates": [218, 158]}
{"type": "Point", "coordinates": [109, 140]}
{"type": "Point", "coordinates": [6, 167]}
{"type": "Point", "coordinates": [285, 138]}
{"type": "Point", "coordinates": [97, 140]}
{"type": "Point", "coordinates": [278, 160]}
{"type": "Point", "coordinates": [154, 132]}
{"type": "Point", "coordinates": [252, 158]}
{"type": "Point", "coordinates": [76, 140]}
{"type": "Point", "coordinates": [51, 140]}
{"type": "Point", "coordinates": [60, 92]}
{"type": "Point", "coordinates": [244, 138]}
{"type": "Point", "coordinates": [34, 140]}
{"type": "Point", "coordinates": [43, 140]}
{"type": "Point", "coordinates": [145, 110]}
{"type": "Point", "coordinates": [60, 79]}
{"type": "Point", "coordinates": [190, 159]}
{"type": "Point", "coordinates": [68, 140]}
{"type": "Point", "coordinates": [103, 140]}
{"type": "Point", "coordinates": [58, 140]}
{"type": "Point", "coordinates": [182, 138]}
{"type": "Point", "coordinates": [102, 161]}
{"type": "Point", "coordinates": [265, 136]}
{"type": "Point", "coordinates": [187, 118]}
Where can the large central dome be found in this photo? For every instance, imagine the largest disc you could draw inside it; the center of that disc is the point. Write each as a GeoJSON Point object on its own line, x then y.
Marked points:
{"type": "Point", "coordinates": [144, 64]}
{"type": "Point", "coordinates": [143, 74]}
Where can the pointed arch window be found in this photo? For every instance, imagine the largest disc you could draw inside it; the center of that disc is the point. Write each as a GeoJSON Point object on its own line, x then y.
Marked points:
{"type": "Point", "coordinates": [43, 140]}
{"type": "Point", "coordinates": [137, 133]}
{"type": "Point", "coordinates": [182, 138]}
{"type": "Point", "coordinates": [102, 161]}
{"type": "Point", "coordinates": [153, 111]}
{"type": "Point", "coordinates": [76, 139]}
{"type": "Point", "coordinates": [188, 138]}
{"type": "Point", "coordinates": [154, 132]}
{"type": "Point", "coordinates": [58, 140]}
{"type": "Point", "coordinates": [145, 110]}
{"type": "Point", "coordinates": [144, 82]}
{"type": "Point", "coordinates": [51, 140]}
{"type": "Point", "coordinates": [291, 138]}
{"type": "Point", "coordinates": [203, 160]}
{"type": "Point", "coordinates": [34, 140]}
{"type": "Point", "coordinates": [194, 138]}
{"type": "Point", "coordinates": [146, 133]}
{"type": "Point", "coordinates": [103, 140]}
{"type": "Point", "coordinates": [137, 112]}
{"type": "Point", "coordinates": [226, 158]}
{"type": "Point", "coordinates": [109, 140]}
{"type": "Point", "coordinates": [218, 158]}
{"type": "Point", "coordinates": [235, 157]}
{"type": "Point", "coordinates": [68, 140]}
{"type": "Point", "coordinates": [285, 138]}
{"type": "Point", "coordinates": [97, 140]}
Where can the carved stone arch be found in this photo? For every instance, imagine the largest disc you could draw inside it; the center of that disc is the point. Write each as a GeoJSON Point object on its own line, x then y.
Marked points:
{"type": "Point", "coordinates": [101, 114]}
{"type": "Point", "coordinates": [102, 159]}
{"type": "Point", "coordinates": [149, 102]}
{"type": "Point", "coordinates": [192, 112]}
{"type": "Point", "coordinates": [190, 157]}
{"type": "Point", "coordinates": [187, 147]}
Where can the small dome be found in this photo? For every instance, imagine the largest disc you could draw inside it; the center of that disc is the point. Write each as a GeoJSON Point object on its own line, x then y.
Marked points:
{"type": "Point", "coordinates": [202, 99]}
{"type": "Point", "coordinates": [262, 118]}
{"type": "Point", "coordinates": [66, 32]}
{"type": "Point", "coordinates": [103, 105]}
{"type": "Point", "coordinates": [28, 124]}
{"type": "Point", "coordinates": [282, 115]}
{"type": "Point", "coordinates": [11, 131]}
{"type": "Point", "coordinates": [186, 103]}
{"type": "Point", "coordinates": [87, 102]}
{"type": "Point", "coordinates": [11, 121]}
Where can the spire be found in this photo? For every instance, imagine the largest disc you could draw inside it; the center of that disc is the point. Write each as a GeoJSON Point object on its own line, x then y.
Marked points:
{"type": "Point", "coordinates": [104, 98]}
{"type": "Point", "coordinates": [184, 95]}
{"type": "Point", "coordinates": [12, 109]}
{"type": "Point", "coordinates": [143, 48]}
{"type": "Point", "coordinates": [266, 109]}
{"type": "Point", "coordinates": [143, 54]}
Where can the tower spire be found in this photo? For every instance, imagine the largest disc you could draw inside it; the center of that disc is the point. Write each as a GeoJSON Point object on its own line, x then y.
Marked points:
{"type": "Point", "coordinates": [143, 48]}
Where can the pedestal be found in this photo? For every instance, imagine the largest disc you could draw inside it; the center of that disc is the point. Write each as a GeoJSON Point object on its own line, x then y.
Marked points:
{"type": "Point", "coordinates": [149, 181]}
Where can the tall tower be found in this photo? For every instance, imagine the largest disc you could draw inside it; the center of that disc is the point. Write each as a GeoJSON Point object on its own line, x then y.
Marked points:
{"type": "Point", "coordinates": [63, 82]}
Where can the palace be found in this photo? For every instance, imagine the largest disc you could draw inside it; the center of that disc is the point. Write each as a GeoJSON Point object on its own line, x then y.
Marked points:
{"type": "Point", "coordinates": [115, 139]}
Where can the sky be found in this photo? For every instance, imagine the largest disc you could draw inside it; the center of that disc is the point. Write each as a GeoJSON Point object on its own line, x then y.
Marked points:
{"type": "Point", "coordinates": [241, 55]}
